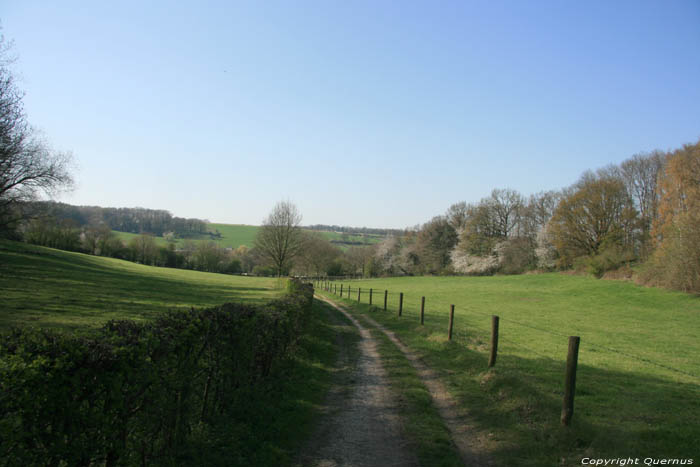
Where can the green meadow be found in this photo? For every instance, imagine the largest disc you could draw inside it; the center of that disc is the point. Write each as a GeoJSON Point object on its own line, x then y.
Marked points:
{"type": "Point", "coordinates": [235, 235]}
{"type": "Point", "coordinates": [58, 289]}
{"type": "Point", "coordinates": [638, 380]}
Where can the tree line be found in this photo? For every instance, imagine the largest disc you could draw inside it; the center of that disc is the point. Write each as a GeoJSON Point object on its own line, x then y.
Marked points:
{"type": "Point", "coordinates": [354, 230]}
{"type": "Point", "coordinates": [156, 222]}
{"type": "Point", "coordinates": [641, 218]}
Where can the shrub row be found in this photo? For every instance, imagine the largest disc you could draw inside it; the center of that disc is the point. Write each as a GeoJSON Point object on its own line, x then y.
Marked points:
{"type": "Point", "coordinates": [133, 393]}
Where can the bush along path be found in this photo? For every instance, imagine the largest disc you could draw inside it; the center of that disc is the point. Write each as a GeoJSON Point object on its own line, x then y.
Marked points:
{"type": "Point", "coordinates": [145, 393]}
{"type": "Point", "coordinates": [362, 425]}
{"type": "Point", "coordinates": [441, 433]}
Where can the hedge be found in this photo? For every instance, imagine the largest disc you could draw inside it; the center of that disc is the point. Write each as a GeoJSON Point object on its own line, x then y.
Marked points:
{"type": "Point", "coordinates": [133, 393]}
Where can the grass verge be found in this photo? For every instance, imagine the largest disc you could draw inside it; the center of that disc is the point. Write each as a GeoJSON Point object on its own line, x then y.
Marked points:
{"type": "Point", "coordinates": [280, 416]}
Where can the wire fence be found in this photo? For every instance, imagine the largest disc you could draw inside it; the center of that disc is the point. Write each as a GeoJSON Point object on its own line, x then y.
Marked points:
{"type": "Point", "coordinates": [516, 345]}
{"type": "Point", "coordinates": [334, 285]}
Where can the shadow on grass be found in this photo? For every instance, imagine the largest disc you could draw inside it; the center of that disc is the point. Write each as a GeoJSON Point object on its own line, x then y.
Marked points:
{"type": "Point", "coordinates": [518, 403]}
{"type": "Point", "coordinates": [64, 290]}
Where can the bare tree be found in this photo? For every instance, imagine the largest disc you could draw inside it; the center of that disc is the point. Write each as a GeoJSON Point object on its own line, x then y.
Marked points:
{"type": "Point", "coordinates": [28, 166]}
{"type": "Point", "coordinates": [279, 238]}
{"type": "Point", "coordinates": [458, 215]}
{"type": "Point", "coordinates": [640, 174]}
{"type": "Point", "coordinates": [506, 205]}
{"type": "Point", "coordinates": [317, 254]}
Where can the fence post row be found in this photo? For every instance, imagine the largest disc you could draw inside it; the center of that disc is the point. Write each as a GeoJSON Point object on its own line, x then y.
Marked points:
{"type": "Point", "coordinates": [567, 410]}
{"type": "Point", "coordinates": [494, 340]}
{"type": "Point", "coordinates": [452, 320]}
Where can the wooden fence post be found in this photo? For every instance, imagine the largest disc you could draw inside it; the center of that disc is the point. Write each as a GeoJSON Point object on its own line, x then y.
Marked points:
{"type": "Point", "coordinates": [567, 410]}
{"type": "Point", "coordinates": [386, 292]}
{"type": "Point", "coordinates": [494, 340]}
{"type": "Point", "coordinates": [422, 309]}
{"type": "Point", "coordinates": [400, 303]}
{"type": "Point", "coordinates": [359, 293]}
{"type": "Point", "coordinates": [341, 290]}
{"type": "Point", "coordinates": [452, 320]}
{"type": "Point", "coordinates": [349, 287]}
{"type": "Point", "coordinates": [370, 296]}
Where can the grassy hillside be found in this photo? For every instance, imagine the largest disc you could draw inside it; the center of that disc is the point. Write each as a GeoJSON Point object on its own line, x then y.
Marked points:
{"type": "Point", "coordinates": [638, 384]}
{"type": "Point", "coordinates": [59, 289]}
{"type": "Point", "coordinates": [235, 235]}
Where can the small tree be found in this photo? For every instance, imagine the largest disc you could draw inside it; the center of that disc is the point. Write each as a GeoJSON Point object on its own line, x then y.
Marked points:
{"type": "Point", "coordinates": [279, 238]}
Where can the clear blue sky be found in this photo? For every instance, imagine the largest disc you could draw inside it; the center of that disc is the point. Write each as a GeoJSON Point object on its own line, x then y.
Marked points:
{"type": "Point", "coordinates": [362, 113]}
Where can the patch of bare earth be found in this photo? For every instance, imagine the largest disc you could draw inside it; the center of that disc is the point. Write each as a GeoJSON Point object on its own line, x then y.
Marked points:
{"type": "Point", "coordinates": [361, 425]}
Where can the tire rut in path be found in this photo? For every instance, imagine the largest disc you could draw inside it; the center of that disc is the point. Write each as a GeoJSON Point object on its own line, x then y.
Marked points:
{"type": "Point", "coordinates": [362, 426]}
{"type": "Point", "coordinates": [470, 446]}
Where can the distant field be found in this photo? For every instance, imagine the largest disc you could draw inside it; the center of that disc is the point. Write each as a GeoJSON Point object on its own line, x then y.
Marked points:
{"type": "Point", "coordinates": [638, 384]}
{"type": "Point", "coordinates": [345, 241]}
{"type": "Point", "coordinates": [58, 289]}
{"type": "Point", "coordinates": [235, 235]}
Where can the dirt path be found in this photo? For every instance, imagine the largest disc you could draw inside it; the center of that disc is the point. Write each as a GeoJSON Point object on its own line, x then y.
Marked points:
{"type": "Point", "coordinates": [462, 432]}
{"type": "Point", "coordinates": [362, 425]}
{"type": "Point", "coordinates": [472, 446]}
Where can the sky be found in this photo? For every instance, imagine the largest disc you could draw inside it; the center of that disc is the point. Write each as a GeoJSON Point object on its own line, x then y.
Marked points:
{"type": "Point", "coordinates": [364, 113]}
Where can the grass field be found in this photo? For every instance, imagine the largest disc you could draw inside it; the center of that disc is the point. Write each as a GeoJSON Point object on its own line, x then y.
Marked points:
{"type": "Point", "coordinates": [638, 384]}
{"type": "Point", "coordinates": [235, 235]}
{"type": "Point", "coordinates": [58, 289]}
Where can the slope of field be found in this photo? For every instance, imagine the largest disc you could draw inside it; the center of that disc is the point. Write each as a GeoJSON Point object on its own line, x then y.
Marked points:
{"type": "Point", "coordinates": [345, 241]}
{"type": "Point", "coordinates": [638, 383]}
{"type": "Point", "coordinates": [58, 289]}
{"type": "Point", "coordinates": [235, 235]}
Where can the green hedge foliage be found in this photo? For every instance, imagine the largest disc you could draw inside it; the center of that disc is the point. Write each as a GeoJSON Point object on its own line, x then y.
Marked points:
{"type": "Point", "coordinates": [135, 392]}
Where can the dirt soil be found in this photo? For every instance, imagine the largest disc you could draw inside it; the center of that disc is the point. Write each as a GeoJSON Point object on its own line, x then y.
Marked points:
{"type": "Point", "coordinates": [361, 425]}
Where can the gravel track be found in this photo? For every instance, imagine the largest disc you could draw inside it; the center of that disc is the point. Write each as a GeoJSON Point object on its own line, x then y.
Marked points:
{"type": "Point", "coordinates": [361, 425]}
